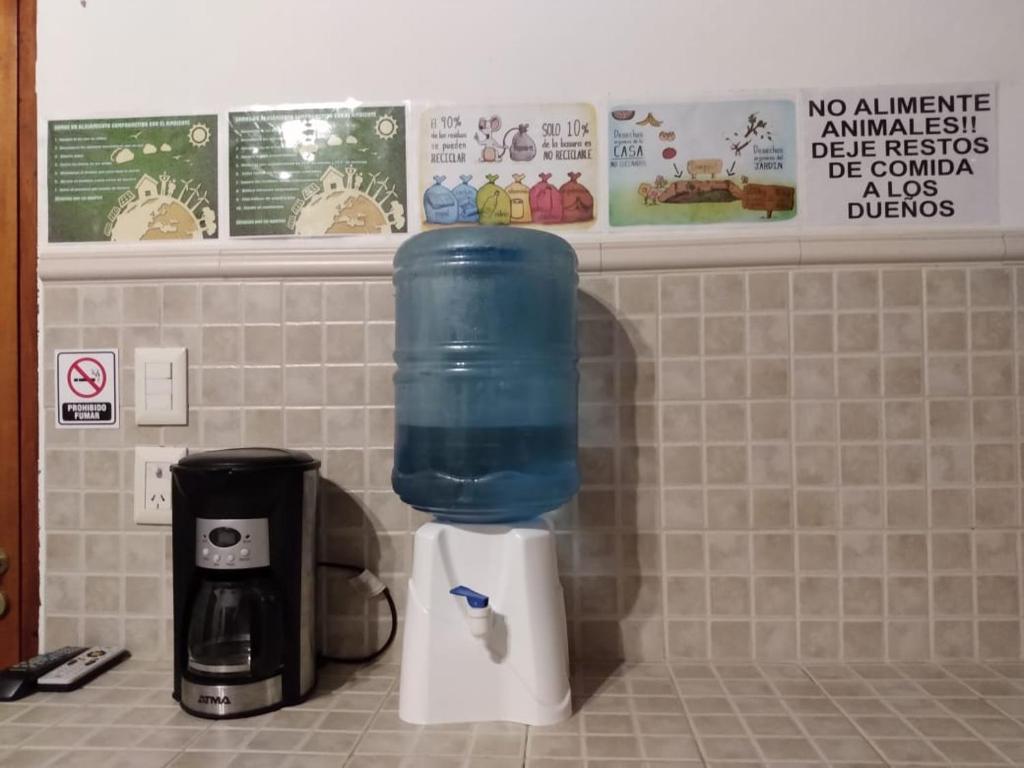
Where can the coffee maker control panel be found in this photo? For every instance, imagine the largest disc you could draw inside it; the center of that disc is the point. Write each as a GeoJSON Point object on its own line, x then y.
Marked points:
{"type": "Point", "coordinates": [232, 544]}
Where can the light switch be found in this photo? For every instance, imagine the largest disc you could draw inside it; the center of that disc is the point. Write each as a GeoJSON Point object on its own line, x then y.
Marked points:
{"type": "Point", "coordinates": [158, 370]}
{"type": "Point", "coordinates": [161, 386]}
{"type": "Point", "coordinates": [158, 387]}
{"type": "Point", "coordinates": [159, 402]}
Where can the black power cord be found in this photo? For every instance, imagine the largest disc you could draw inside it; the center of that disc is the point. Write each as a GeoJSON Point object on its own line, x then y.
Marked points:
{"type": "Point", "coordinates": [373, 586]}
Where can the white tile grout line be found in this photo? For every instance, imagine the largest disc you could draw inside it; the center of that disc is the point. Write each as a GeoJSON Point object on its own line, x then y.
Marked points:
{"type": "Point", "coordinates": [926, 430]}
{"type": "Point", "coordinates": [963, 721]}
{"type": "Point", "coordinates": [898, 673]}
{"type": "Point", "coordinates": [843, 714]}
{"type": "Point", "coordinates": [686, 713]}
{"type": "Point", "coordinates": [623, 352]}
{"type": "Point", "coordinates": [705, 534]}
{"type": "Point", "coordinates": [960, 719]}
{"type": "Point", "coordinates": [735, 712]}
{"type": "Point", "coordinates": [793, 408]}
{"type": "Point", "coordinates": [970, 398]}
{"type": "Point", "coordinates": [366, 728]}
{"type": "Point", "coordinates": [824, 693]}
{"type": "Point", "coordinates": [799, 724]}
{"type": "Point", "coordinates": [1015, 341]}
{"type": "Point", "coordinates": [524, 754]}
{"type": "Point", "coordinates": [368, 614]}
{"type": "Point", "coordinates": [202, 731]}
{"type": "Point", "coordinates": [659, 411]}
{"type": "Point", "coordinates": [882, 481]}
{"type": "Point", "coordinates": [748, 454]}
{"type": "Point", "coordinates": [837, 448]}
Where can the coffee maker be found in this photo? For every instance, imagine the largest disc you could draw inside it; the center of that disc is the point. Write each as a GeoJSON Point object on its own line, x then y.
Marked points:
{"type": "Point", "coordinates": [243, 523]}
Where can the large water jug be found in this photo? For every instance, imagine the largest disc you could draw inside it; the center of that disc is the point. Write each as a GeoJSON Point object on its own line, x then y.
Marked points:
{"type": "Point", "coordinates": [485, 392]}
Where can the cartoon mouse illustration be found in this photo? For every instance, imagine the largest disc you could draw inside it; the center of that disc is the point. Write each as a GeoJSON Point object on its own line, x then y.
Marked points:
{"type": "Point", "coordinates": [491, 149]}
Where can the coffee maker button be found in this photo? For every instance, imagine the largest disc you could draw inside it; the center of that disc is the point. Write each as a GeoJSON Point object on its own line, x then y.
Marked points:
{"type": "Point", "coordinates": [216, 558]}
{"type": "Point", "coordinates": [231, 558]}
{"type": "Point", "coordinates": [243, 552]}
{"type": "Point", "coordinates": [206, 551]}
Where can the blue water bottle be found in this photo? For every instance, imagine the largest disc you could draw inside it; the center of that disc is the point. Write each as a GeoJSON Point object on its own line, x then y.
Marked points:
{"type": "Point", "coordinates": [485, 392]}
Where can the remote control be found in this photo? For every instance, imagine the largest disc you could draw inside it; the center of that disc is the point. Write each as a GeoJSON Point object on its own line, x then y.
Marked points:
{"type": "Point", "coordinates": [19, 680]}
{"type": "Point", "coordinates": [78, 671]}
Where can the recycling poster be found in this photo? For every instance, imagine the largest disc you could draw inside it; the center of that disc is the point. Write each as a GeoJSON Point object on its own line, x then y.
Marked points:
{"type": "Point", "coordinates": [915, 155]}
{"type": "Point", "coordinates": [318, 171]}
{"type": "Point", "coordinates": [509, 165]}
{"type": "Point", "coordinates": [906, 155]}
{"type": "Point", "coordinates": [708, 162]}
{"type": "Point", "coordinates": [130, 179]}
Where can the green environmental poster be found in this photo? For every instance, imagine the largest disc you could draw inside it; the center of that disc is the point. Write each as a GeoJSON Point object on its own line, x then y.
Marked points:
{"type": "Point", "coordinates": [318, 171]}
{"type": "Point", "coordinates": [708, 162]}
{"type": "Point", "coordinates": [143, 178]}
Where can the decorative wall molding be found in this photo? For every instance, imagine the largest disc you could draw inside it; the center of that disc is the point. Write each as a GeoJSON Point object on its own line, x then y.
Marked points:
{"type": "Point", "coordinates": [359, 258]}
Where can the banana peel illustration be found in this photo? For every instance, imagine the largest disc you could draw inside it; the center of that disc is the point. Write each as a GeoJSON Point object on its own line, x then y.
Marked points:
{"type": "Point", "coordinates": [650, 120]}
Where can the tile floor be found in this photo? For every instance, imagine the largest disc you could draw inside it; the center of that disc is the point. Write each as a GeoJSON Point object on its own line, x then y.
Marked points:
{"type": "Point", "coordinates": [629, 716]}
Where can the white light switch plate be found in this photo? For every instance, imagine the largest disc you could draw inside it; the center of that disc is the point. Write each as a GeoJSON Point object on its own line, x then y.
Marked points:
{"type": "Point", "coordinates": [152, 500]}
{"type": "Point", "coordinates": [161, 386]}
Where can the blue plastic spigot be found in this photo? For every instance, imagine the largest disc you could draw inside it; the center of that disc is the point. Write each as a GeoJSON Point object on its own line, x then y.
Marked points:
{"type": "Point", "coordinates": [475, 599]}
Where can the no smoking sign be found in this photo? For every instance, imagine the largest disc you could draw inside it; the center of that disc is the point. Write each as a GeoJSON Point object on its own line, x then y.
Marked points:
{"type": "Point", "coordinates": [87, 393]}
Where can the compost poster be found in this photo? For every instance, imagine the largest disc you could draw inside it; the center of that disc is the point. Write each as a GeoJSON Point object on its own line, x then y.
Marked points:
{"type": "Point", "coordinates": [128, 179]}
{"type": "Point", "coordinates": [707, 162]}
{"type": "Point", "coordinates": [907, 155]}
{"type": "Point", "coordinates": [518, 165]}
{"type": "Point", "coordinates": [320, 170]}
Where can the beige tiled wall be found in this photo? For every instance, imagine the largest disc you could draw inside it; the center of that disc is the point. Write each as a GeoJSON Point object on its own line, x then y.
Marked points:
{"type": "Point", "coordinates": [800, 463]}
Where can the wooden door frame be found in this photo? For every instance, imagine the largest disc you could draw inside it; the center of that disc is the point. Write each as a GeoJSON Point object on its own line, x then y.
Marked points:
{"type": "Point", "coordinates": [28, 344]}
{"type": "Point", "coordinates": [19, 428]}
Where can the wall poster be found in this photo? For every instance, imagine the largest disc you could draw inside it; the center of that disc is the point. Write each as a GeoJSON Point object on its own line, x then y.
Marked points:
{"type": "Point", "coordinates": [702, 162]}
{"type": "Point", "coordinates": [130, 179]}
{"type": "Point", "coordinates": [320, 170]}
{"type": "Point", "coordinates": [519, 165]}
{"type": "Point", "coordinates": [906, 155]}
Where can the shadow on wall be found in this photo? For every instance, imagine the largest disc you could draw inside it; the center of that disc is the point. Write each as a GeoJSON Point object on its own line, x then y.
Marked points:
{"type": "Point", "coordinates": [350, 626]}
{"type": "Point", "coordinates": [599, 547]}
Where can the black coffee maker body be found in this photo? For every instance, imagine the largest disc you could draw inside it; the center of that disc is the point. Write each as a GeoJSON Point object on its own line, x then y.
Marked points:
{"type": "Point", "coordinates": [243, 525]}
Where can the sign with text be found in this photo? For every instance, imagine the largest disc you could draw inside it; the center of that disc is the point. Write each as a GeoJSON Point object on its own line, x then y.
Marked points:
{"type": "Point", "coordinates": [702, 162]}
{"type": "Point", "coordinates": [130, 179]}
{"type": "Point", "coordinates": [531, 165]}
{"type": "Point", "coordinates": [318, 170]}
{"type": "Point", "coordinates": [86, 388]}
{"type": "Point", "coordinates": [903, 155]}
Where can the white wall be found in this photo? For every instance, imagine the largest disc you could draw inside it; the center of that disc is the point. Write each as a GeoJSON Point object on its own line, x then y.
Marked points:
{"type": "Point", "coordinates": [110, 57]}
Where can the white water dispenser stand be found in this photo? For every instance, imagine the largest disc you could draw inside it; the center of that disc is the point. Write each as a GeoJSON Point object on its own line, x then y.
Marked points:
{"type": "Point", "coordinates": [485, 634]}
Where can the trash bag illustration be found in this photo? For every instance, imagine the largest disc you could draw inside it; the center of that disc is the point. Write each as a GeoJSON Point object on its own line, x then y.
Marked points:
{"type": "Point", "coordinates": [545, 202]}
{"type": "Point", "coordinates": [523, 148]}
{"type": "Point", "coordinates": [439, 204]}
{"type": "Point", "coordinates": [493, 202]}
{"type": "Point", "coordinates": [519, 198]}
{"type": "Point", "coordinates": [577, 202]}
{"type": "Point", "coordinates": [465, 197]}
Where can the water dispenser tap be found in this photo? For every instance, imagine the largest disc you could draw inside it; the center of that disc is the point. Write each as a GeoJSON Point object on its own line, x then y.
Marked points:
{"type": "Point", "coordinates": [478, 611]}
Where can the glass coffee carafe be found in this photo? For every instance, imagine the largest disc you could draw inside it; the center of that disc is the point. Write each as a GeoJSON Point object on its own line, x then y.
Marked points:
{"type": "Point", "coordinates": [235, 628]}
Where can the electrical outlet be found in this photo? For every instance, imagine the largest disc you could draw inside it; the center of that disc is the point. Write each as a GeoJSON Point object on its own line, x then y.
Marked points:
{"type": "Point", "coordinates": [152, 500]}
{"type": "Point", "coordinates": [156, 481]}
